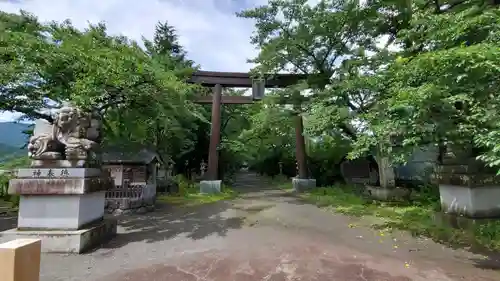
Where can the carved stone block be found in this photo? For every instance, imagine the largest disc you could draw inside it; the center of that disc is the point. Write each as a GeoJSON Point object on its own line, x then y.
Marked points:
{"type": "Point", "coordinates": [74, 135]}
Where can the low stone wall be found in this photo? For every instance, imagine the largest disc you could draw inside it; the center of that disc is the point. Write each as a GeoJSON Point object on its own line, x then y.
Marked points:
{"type": "Point", "coordinates": [119, 206]}
{"type": "Point", "coordinates": [138, 200]}
{"type": "Point", "coordinates": [387, 194]}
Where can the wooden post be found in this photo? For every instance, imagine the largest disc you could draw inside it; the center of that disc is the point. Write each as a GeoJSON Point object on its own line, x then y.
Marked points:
{"type": "Point", "coordinates": [300, 147]}
{"type": "Point", "coordinates": [20, 260]}
{"type": "Point", "coordinates": [213, 153]}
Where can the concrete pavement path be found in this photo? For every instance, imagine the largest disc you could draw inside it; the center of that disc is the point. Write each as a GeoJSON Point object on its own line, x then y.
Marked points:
{"type": "Point", "coordinates": [265, 234]}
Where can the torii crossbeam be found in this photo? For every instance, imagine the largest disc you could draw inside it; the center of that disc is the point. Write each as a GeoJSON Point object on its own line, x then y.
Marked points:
{"type": "Point", "coordinates": [218, 80]}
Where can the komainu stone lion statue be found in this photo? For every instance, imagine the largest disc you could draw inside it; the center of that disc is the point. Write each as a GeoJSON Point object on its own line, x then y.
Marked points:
{"type": "Point", "coordinates": [74, 135]}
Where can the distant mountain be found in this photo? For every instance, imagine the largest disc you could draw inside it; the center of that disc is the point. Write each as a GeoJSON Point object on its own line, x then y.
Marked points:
{"type": "Point", "coordinates": [12, 139]}
{"type": "Point", "coordinates": [5, 149]}
{"type": "Point", "coordinates": [11, 134]}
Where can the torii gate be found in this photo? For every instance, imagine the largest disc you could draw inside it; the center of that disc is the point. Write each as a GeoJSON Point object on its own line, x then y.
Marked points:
{"type": "Point", "coordinates": [218, 80]}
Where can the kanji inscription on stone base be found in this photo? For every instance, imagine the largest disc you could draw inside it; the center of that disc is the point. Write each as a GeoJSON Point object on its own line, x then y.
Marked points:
{"type": "Point", "coordinates": [58, 185]}
{"type": "Point", "coordinates": [36, 173]}
{"type": "Point", "coordinates": [58, 172]}
{"type": "Point", "coordinates": [64, 173]}
{"type": "Point", "coordinates": [50, 173]}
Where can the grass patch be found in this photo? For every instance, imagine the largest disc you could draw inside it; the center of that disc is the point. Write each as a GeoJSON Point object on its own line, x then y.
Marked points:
{"type": "Point", "coordinates": [287, 186]}
{"type": "Point", "coordinates": [282, 182]}
{"type": "Point", "coordinates": [8, 207]}
{"type": "Point", "coordinates": [189, 195]}
{"type": "Point", "coordinates": [418, 217]}
{"type": "Point", "coordinates": [7, 201]}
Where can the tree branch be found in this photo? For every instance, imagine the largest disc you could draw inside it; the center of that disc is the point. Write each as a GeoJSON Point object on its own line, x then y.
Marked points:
{"type": "Point", "coordinates": [304, 49]}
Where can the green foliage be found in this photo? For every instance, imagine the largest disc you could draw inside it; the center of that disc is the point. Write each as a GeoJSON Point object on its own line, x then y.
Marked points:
{"type": "Point", "coordinates": [185, 185]}
{"type": "Point", "coordinates": [446, 92]}
{"type": "Point", "coordinates": [440, 88]}
{"type": "Point", "coordinates": [11, 164]}
{"type": "Point", "coordinates": [141, 94]}
{"type": "Point", "coordinates": [13, 200]}
{"type": "Point", "coordinates": [17, 162]}
{"type": "Point", "coordinates": [4, 185]}
{"type": "Point", "coordinates": [89, 67]}
{"type": "Point", "coordinates": [325, 156]}
{"type": "Point", "coordinates": [394, 75]}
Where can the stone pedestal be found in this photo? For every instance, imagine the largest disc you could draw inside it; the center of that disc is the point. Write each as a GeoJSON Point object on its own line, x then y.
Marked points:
{"type": "Point", "coordinates": [79, 210]}
{"type": "Point", "coordinates": [468, 189]}
{"type": "Point", "coordinates": [301, 185]}
{"type": "Point", "coordinates": [210, 187]}
{"type": "Point", "coordinates": [64, 207]}
{"type": "Point", "coordinates": [473, 202]}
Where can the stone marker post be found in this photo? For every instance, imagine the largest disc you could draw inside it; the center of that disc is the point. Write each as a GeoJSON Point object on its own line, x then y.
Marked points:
{"type": "Point", "coordinates": [20, 260]}
{"type": "Point", "coordinates": [211, 184]}
{"type": "Point", "coordinates": [203, 168]}
{"type": "Point", "coordinates": [63, 192]}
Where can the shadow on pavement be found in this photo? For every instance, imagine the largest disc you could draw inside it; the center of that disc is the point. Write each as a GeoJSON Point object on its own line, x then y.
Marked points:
{"type": "Point", "coordinates": [492, 262]}
{"type": "Point", "coordinates": [168, 222]}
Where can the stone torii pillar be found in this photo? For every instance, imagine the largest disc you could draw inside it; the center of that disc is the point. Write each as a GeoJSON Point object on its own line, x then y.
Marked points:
{"type": "Point", "coordinates": [300, 148]}
{"type": "Point", "coordinates": [302, 181]}
{"type": "Point", "coordinates": [211, 182]}
{"type": "Point", "coordinates": [213, 150]}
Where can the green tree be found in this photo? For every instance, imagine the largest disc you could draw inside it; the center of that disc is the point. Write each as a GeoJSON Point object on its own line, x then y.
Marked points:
{"type": "Point", "coordinates": [328, 40]}
{"type": "Point", "coordinates": [46, 64]}
{"type": "Point", "coordinates": [391, 74]}
{"type": "Point", "coordinates": [332, 41]}
{"type": "Point", "coordinates": [441, 87]}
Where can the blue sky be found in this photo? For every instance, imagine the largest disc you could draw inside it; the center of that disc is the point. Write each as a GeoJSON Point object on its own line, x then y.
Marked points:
{"type": "Point", "coordinates": [211, 33]}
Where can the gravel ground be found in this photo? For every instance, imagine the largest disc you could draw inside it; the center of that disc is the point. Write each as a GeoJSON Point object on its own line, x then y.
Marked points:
{"type": "Point", "coordinates": [264, 235]}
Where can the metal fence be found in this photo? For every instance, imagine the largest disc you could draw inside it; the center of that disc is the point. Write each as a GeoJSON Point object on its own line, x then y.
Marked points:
{"type": "Point", "coordinates": [136, 192]}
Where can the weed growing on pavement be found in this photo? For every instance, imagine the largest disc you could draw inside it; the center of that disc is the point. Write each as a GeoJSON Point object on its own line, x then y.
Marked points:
{"type": "Point", "coordinates": [421, 216]}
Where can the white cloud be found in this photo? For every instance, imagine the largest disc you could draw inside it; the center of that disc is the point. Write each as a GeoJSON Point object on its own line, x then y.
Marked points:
{"type": "Point", "coordinates": [6, 116]}
{"type": "Point", "coordinates": [213, 36]}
